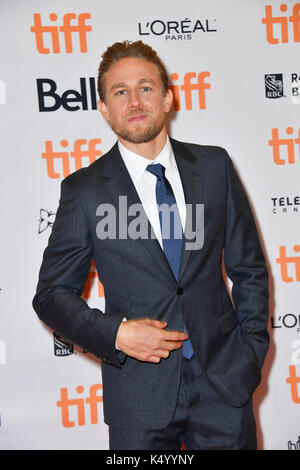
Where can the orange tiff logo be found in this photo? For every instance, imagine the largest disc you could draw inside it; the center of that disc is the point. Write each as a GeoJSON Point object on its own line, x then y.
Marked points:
{"type": "Point", "coordinates": [283, 24]}
{"type": "Point", "coordinates": [192, 82]}
{"type": "Point", "coordinates": [71, 24]}
{"type": "Point", "coordinates": [289, 144]}
{"type": "Point", "coordinates": [78, 153]}
{"type": "Point", "coordinates": [72, 408]}
{"type": "Point", "coordinates": [93, 275]}
{"type": "Point", "coordinates": [285, 260]}
{"type": "Point", "coordinates": [294, 382]}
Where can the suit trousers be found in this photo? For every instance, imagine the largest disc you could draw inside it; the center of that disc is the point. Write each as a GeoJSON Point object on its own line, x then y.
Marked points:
{"type": "Point", "coordinates": [202, 421]}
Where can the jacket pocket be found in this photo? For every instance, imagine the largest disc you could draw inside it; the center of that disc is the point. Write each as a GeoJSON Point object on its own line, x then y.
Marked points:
{"type": "Point", "coordinates": [228, 322]}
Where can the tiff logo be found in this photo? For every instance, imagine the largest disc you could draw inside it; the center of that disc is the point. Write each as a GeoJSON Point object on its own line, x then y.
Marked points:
{"type": "Point", "coordinates": [189, 85]}
{"type": "Point", "coordinates": [78, 153]}
{"type": "Point", "coordinates": [294, 382]}
{"type": "Point", "coordinates": [76, 407]}
{"type": "Point", "coordinates": [2, 92]}
{"type": "Point", "coordinates": [284, 260]}
{"type": "Point", "coordinates": [93, 275]}
{"type": "Point", "coordinates": [288, 143]}
{"type": "Point", "coordinates": [283, 22]}
{"type": "Point", "coordinates": [71, 24]}
{"type": "Point", "coordinates": [2, 353]}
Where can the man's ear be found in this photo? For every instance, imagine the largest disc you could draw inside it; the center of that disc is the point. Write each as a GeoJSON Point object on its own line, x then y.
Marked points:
{"type": "Point", "coordinates": [103, 109]}
{"type": "Point", "coordinates": [168, 100]}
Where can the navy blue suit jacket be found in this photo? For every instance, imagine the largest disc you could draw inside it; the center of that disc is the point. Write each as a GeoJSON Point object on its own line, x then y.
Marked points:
{"type": "Point", "coordinates": [229, 337]}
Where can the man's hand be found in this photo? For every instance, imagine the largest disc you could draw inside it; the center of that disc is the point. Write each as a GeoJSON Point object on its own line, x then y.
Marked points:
{"type": "Point", "coordinates": [147, 340]}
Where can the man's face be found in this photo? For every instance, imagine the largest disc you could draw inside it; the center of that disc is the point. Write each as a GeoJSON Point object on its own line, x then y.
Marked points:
{"type": "Point", "coordinates": [135, 105]}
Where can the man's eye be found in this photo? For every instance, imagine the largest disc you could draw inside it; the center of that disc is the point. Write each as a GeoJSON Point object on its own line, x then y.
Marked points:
{"type": "Point", "coordinates": [121, 92]}
{"type": "Point", "coordinates": [146, 88]}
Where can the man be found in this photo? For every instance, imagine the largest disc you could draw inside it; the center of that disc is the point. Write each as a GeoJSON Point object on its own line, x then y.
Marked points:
{"type": "Point", "coordinates": [180, 360]}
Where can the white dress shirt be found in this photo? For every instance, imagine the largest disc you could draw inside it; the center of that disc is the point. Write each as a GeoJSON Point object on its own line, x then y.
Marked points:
{"type": "Point", "coordinates": [145, 182]}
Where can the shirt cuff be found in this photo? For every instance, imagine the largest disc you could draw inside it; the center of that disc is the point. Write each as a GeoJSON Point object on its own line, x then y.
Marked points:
{"type": "Point", "coordinates": [124, 319]}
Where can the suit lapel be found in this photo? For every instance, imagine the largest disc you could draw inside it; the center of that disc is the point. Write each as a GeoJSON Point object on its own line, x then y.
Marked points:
{"type": "Point", "coordinates": [192, 179]}
{"type": "Point", "coordinates": [119, 183]}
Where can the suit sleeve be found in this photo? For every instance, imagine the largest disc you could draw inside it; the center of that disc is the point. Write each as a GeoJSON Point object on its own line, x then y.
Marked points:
{"type": "Point", "coordinates": [246, 267]}
{"type": "Point", "coordinates": [64, 270]}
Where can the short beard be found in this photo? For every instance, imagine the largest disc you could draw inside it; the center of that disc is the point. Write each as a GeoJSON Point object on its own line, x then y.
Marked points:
{"type": "Point", "coordinates": [140, 136]}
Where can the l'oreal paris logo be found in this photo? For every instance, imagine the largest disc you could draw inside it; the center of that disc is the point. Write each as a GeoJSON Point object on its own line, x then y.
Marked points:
{"type": "Point", "coordinates": [184, 29]}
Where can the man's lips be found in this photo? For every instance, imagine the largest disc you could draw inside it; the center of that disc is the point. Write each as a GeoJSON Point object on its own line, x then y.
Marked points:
{"type": "Point", "coordinates": [137, 118]}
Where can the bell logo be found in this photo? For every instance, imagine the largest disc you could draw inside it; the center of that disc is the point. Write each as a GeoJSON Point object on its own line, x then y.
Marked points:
{"type": "Point", "coordinates": [79, 27]}
{"type": "Point", "coordinates": [69, 99]}
{"type": "Point", "coordinates": [271, 20]}
{"type": "Point", "coordinates": [288, 143]}
{"type": "Point", "coordinates": [200, 86]}
{"type": "Point", "coordinates": [284, 260]}
{"type": "Point", "coordinates": [78, 153]}
{"type": "Point", "coordinates": [67, 406]}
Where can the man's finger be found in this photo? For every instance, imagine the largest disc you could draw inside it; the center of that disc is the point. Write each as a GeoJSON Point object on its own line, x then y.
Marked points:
{"type": "Point", "coordinates": [157, 323]}
{"type": "Point", "coordinates": [171, 345]}
{"type": "Point", "coordinates": [175, 335]}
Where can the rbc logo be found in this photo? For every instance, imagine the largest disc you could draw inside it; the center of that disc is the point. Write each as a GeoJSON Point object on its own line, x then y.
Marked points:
{"type": "Point", "coordinates": [274, 85]}
{"type": "Point", "coordinates": [67, 29]}
{"type": "Point", "coordinates": [62, 347]}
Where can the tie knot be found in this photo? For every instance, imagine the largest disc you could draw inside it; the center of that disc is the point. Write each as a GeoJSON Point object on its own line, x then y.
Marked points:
{"type": "Point", "coordinates": [157, 169]}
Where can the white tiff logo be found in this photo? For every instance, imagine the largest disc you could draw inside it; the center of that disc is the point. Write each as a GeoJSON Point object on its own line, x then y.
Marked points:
{"type": "Point", "coordinates": [2, 92]}
{"type": "Point", "coordinates": [2, 353]}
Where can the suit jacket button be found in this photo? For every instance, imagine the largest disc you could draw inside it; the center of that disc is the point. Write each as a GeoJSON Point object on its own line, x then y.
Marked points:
{"type": "Point", "coordinates": [179, 291]}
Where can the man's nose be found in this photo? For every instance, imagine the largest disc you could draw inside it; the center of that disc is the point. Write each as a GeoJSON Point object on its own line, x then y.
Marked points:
{"type": "Point", "coordinates": [134, 100]}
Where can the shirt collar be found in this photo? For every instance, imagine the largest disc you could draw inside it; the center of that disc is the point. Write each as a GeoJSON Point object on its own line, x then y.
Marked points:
{"type": "Point", "coordinates": [137, 164]}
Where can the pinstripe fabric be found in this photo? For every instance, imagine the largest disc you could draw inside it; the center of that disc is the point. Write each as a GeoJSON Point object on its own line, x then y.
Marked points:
{"type": "Point", "coordinates": [230, 342]}
{"type": "Point", "coordinates": [202, 421]}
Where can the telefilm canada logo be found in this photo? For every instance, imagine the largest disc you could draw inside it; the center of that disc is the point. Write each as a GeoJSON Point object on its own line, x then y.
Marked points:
{"type": "Point", "coordinates": [177, 29]}
{"type": "Point", "coordinates": [282, 205]}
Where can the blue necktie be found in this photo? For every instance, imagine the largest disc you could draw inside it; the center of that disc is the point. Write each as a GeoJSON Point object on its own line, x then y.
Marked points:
{"type": "Point", "coordinates": [171, 230]}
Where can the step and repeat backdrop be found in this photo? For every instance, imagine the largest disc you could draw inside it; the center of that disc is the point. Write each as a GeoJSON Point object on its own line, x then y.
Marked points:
{"type": "Point", "coordinates": [235, 72]}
